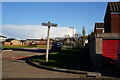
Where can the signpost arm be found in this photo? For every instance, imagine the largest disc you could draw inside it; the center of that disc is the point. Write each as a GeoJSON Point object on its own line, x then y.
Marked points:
{"type": "Point", "coordinates": [47, 47]}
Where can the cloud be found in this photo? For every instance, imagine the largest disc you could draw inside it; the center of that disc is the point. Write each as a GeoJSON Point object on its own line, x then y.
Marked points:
{"type": "Point", "coordinates": [34, 31]}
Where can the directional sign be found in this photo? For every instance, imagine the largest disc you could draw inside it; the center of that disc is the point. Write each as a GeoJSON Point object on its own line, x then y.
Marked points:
{"type": "Point", "coordinates": [49, 24]}
{"type": "Point", "coordinates": [47, 47]}
{"type": "Point", "coordinates": [45, 24]}
{"type": "Point", "coordinates": [54, 25]}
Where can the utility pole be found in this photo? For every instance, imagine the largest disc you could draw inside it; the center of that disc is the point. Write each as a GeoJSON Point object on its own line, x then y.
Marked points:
{"type": "Point", "coordinates": [48, 34]}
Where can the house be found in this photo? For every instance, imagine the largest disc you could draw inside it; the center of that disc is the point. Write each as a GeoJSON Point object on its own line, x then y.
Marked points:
{"type": "Point", "coordinates": [99, 28]}
{"type": "Point", "coordinates": [84, 40]}
{"type": "Point", "coordinates": [105, 47]}
{"type": "Point", "coordinates": [22, 42]}
{"type": "Point", "coordinates": [37, 41]}
{"type": "Point", "coordinates": [32, 41]}
{"type": "Point", "coordinates": [12, 42]}
{"type": "Point", "coordinates": [2, 39]}
{"type": "Point", "coordinates": [112, 18]}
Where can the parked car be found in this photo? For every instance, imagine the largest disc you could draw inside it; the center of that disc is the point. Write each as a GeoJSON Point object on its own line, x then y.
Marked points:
{"type": "Point", "coordinates": [56, 46]}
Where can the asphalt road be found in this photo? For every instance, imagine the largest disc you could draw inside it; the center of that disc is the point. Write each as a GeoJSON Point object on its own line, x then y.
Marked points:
{"type": "Point", "coordinates": [12, 68]}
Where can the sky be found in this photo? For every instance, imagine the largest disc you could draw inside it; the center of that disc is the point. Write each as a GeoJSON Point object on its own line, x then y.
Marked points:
{"type": "Point", "coordinates": [58, 0]}
{"type": "Point", "coordinates": [23, 19]}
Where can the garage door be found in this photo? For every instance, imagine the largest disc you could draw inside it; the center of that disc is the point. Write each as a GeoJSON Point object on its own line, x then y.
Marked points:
{"type": "Point", "coordinates": [111, 49]}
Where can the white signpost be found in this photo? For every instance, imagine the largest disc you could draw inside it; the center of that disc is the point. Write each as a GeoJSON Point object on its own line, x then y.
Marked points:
{"type": "Point", "coordinates": [48, 34]}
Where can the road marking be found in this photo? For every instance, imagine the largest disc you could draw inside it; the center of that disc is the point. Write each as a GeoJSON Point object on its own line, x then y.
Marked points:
{"type": "Point", "coordinates": [15, 58]}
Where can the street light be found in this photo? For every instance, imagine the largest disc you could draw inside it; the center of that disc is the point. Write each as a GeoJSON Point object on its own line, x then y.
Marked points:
{"type": "Point", "coordinates": [48, 34]}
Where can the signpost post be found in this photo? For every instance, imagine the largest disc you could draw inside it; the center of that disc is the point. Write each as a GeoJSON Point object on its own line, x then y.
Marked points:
{"type": "Point", "coordinates": [48, 34]}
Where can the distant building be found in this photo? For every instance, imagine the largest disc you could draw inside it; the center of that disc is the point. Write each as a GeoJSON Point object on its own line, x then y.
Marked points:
{"type": "Point", "coordinates": [22, 42]}
{"type": "Point", "coordinates": [2, 39]}
{"type": "Point", "coordinates": [84, 40]}
{"type": "Point", "coordinates": [99, 28]}
{"type": "Point", "coordinates": [12, 42]}
{"type": "Point", "coordinates": [32, 41]}
{"type": "Point", "coordinates": [37, 41]}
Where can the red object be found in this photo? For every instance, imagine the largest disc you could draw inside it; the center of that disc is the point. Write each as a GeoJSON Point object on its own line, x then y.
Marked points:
{"type": "Point", "coordinates": [111, 48]}
{"type": "Point", "coordinates": [15, 58]}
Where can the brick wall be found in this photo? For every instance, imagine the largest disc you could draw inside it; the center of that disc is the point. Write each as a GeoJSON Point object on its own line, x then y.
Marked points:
{"type": "Point", "coordinates": [112, 23]}
{"type": "Point", "coordinates": [6, 43]}
{"type": "Point", "coordinates": [99, 31]}
{"type": "Point", "coordinates": [107, 22]}
{"type": "Point", "coordinates": [115, 23]}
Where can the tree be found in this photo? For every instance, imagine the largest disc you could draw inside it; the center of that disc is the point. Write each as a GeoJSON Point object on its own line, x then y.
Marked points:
{"type": "Point", "coordinates": [84, 31]}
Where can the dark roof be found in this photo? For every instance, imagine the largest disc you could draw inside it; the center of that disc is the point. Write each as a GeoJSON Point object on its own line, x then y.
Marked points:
{"type": "Point", "coordinates": [22, 40]}
{"type": "Point", "coordinates": [99, 25]}
{"type": "Point", "coordinates": [33, 39]}
{"type": "Point", "coordinates": [10, 39]}
{"type": "Point", "coordinates": [114, 6]}
{"type": "Point", "coordinates": [2, 36]}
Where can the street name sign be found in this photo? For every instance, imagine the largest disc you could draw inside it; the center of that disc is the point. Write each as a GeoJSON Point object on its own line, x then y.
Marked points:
{"type": "Point", "coordinates": [48, 33]}
{"type": "Point", "coordinates": [49, 24]}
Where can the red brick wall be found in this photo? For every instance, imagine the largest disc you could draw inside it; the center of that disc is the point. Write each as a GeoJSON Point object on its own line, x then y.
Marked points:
{"type": "Point", "coordinates": [107, 23]}
{"type": "Point", "coordinates": [6, 43]}
{"type": "Point", "coordinates": [99, 31]}
{"type": "Point", "coordinates": [112, 23]}
{"type": "Point", "coordinates": [115, 23]}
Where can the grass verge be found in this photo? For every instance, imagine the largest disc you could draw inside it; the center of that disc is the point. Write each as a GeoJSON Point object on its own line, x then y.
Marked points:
{"type": "Point", "coordinates": [74, 58]}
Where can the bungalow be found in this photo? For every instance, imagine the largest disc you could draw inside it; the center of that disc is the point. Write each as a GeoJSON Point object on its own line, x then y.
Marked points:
{"type": "Point", "coordinates": [37, 41]}
{"type": "Point", "coordinates": [12, 42]}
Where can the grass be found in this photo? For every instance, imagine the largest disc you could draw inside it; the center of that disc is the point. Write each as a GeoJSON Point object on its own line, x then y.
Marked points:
{"type": "Point", "coordinates": [74, 58]}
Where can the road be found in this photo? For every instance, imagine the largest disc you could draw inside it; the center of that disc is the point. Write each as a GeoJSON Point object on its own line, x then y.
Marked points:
{"type": "Point", "coordinates": [12, 68]}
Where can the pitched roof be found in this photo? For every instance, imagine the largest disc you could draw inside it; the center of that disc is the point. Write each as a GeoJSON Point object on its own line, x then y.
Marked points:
{"type": "Point", "coordinates": [99, 25]}
{"type": "Point", "coordinates": [2, 36]}
{"type": "Point", "coordinates": [114, 6]}
{"type": "Point", "coordinates": [10, 39]}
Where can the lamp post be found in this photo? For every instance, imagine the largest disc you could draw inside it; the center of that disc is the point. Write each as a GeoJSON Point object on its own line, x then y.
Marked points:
{"type": "Point", "coordinates": [48, 34]}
